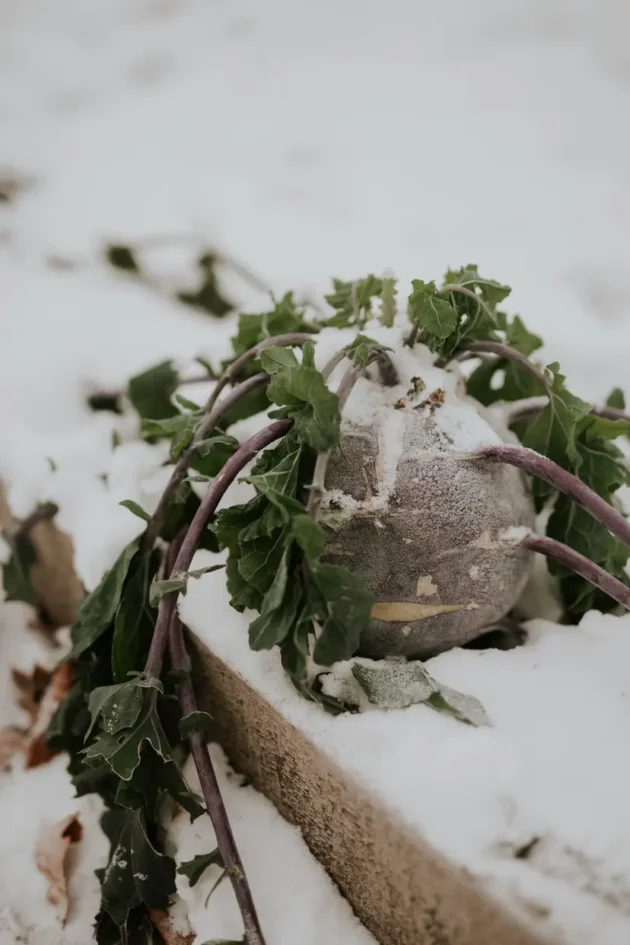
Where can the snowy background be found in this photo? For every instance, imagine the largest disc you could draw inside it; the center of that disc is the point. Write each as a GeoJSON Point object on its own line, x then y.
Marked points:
{"type": "Point", "coordinates": [307, 140]}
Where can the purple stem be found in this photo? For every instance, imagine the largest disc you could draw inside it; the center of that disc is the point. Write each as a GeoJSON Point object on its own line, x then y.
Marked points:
{"type": "Point", "coordinates": [508, 353]}
{"type": "Point", "coordinates": [212, 793]}
{"type": "Point", "coordinates": [244, 454]}
{"type": "Point", "coordinates": [564, 481]}
{"type": "Point", "coordinates": [583, 566]}
{"type": "Point", "coordinates": [214, 414]}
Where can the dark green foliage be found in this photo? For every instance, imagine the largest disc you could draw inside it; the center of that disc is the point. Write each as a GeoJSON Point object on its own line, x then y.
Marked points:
{"type": "Point", "coordinates": [352, 301]}
{"type": "Point", "coordinates": [122, 257]}
{"type": "Point", "coordinates": [151, 392]}
{"type": "Point", "coordinates": [195, 868]}
{"type": "Point", "coordinates": [448, 317]}
{"type": "Point", "coordinates": [364, 349]}
{"type": "Point", "coordinates": [207, 296]}
{"type": "Point", "coordinates": [136, 873]}
{"type": "Point", "coordinates": [285, 317]}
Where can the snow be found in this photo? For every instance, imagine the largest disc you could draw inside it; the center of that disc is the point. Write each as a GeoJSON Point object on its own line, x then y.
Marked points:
{"type": "Point", "coordinates": [311, 140]}
{"type": "Point", "coordinates": [551, 766]}
{"type": "Point", "coordinates": [290, 889]}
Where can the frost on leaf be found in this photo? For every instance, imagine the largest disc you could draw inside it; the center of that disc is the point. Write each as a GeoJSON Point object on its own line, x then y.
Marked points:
{"type": "Point", "coordinates": [397, 684]}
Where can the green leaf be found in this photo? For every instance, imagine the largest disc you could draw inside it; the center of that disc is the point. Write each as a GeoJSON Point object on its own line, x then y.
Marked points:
{"type": "Point", "coordinates": [135, 509]}
{"type": "Point", "coordinates": [295, 650]}
{"type": "Point", "coordinates": [134, 622]}
{"type": "Point", "coordinates": [341, 605]}
{"type": "Point", "coordinates": [553, 431]}
{"type": "Point", "coordinates": [195, 868]}
{"type": "Point", "coordinates": [517, 336]}
{"type": "Point", "coordinates": [15, 572]}
{"type": "Point", "coordinates": [196, 722]}
{"type": "Point", "coordinates": [277, 359]}
{"type": "Point", "coordinates": [279, 609]}
{"type": "Point", "coordinates": [122, 257]}
{"type": "Point", "coordinates": [153, 780]}
{"type": "Point", "coordinates": [396, 684]}
{"type": "Point", "coordinates": [205, 364]}
{"type": "Point", "coordinates": [283, 476]}
{"type": "Point", "coordinates": [309, 535]}
{"type": "Point", "coordinates": [186, 404]}
{"type": "Point", "coordinates": [388, 296]}
{"type": "Point", "coordinates": [260, 559]}
{"type": "Point", "coordinates": [97, 610]}
{"type": "Point", "coordinates": [313, 408]}
{"type": "Point", "coordinates": [151, 392]}
{"type": "Point", "coordinates": [205, 448]}
{"type": "Point", "coordinates": [136, 873]}
{"type": "Point", "coordinates": [207, 297]}
{"type": "Point", "coordinates": [213, 453]}
{"type": "Point", "coordinates": [490, 290]}
{"type": "Point", "coordinates": [603, 467]}
{"type": "Point", "coordinates": [122, 750]}
{"type": "Point", "coordinates": [616, 399]}
{"type": "Point", "coordinates": [159, 589]}
{"type": "Point", "coordinates": [352, 301]}
{"type": "Point", "coordinates": [364, 349]}
{"type": "Point", "coordinates": [179, 428]}
{"type": "Point", "coordinates": [120, 705]}
{"type": "Point", "coordinates": [434, 315]}
{"type": "Point", "coordinates": [283, 319]}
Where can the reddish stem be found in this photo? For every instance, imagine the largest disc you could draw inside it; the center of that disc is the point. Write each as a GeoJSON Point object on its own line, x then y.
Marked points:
{"type": "Point", "coordinates": [508, 353]}
{"type": "Point", "coordinates": [583, 566]}
{"type": "Point", "coordinates": [211, 791]}
{"type": "Point", "coordinates": [564, 481]}
{"type": "Point", "coordinates": [213, 416]}
{"type": "Point", "coordinates": [244, 454]}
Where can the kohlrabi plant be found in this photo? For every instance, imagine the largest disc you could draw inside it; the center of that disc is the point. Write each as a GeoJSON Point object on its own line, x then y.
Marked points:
{"type": "Point", "coordinates": [394, 498]}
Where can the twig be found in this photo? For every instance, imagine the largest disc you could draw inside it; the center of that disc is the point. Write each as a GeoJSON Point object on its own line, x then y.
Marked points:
{"type": "Point", "coordinates": [213, 415]}
{"type": "Point", "coordinates": [583, 566]}
{"type": "Point", "coordinates": [244, 454]}
{"type": "Point", "coordinates": [516, 410]}
{"type": "Point", "coordinates": [560, 479]}
{"type": "Point", "coordinates": [317, 489]}
{"type": "Point", "coordinates": [211, 791]}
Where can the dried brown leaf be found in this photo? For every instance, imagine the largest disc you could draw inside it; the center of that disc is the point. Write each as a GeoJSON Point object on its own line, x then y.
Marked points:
{"type": "Point", "coordinates": [50, 857]}
{"type": "Point", "coordinates": [37, 751]}
{"type": "Point", "coordinates": [170, 935]}
{"type": "Point", "coordinates": [12, 741]}
{"type": "Point", "coordinates": [31, 688]}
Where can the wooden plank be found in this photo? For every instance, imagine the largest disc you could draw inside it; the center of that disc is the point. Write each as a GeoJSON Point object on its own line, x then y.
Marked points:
{"type": "Point", "coordinates": [402, 889]}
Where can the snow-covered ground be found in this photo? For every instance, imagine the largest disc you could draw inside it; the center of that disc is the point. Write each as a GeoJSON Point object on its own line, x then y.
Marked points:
{"type": "Point", "coordinates": [307, 140]}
